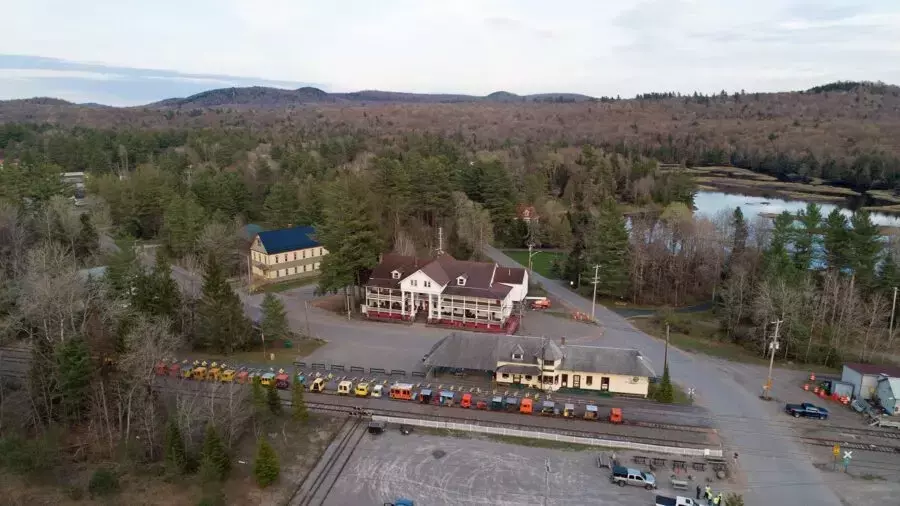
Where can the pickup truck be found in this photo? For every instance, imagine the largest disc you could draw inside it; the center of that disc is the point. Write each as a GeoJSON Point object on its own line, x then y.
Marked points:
{"type": "Point", "coordinates": [806, 409]}
{"type": "Point", "coordinates": [622, 476]}
{"type": "Point", "coordinates": [676, 501]}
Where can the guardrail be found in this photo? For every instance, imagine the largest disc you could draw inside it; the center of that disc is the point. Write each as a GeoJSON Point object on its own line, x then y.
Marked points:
{"type": "Point", "coordinates": [501, 431]}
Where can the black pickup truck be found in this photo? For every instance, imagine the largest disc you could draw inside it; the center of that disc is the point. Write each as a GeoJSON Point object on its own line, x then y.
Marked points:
{"type": "Point", "coordinates": [806, 409]}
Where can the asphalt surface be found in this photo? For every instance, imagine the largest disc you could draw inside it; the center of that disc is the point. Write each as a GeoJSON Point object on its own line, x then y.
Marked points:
{"type": "Point", "coordinates": [777, 469]}
{"type": "Point", "coordinates": [443, 471]}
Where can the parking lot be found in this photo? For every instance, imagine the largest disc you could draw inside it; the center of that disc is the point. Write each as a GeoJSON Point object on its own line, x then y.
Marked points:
{"type": "Point", "coordinates": [438, 471]}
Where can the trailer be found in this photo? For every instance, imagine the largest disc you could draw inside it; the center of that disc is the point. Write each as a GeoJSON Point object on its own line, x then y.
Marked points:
{"type": "Point", "coordinates": [402, 391]}
{"type": "Point", "coordinates": [466, 401]}
{"type": "Point", "coordinates": [344, 387]}
{"type": "Point", "coordinates": [377, 391]}
{"type": "Point", "coordinates": [228, 376]}
{"type": "Point", "coordinates": [161, 369]}
{"type": "Point", "coordinates": [590, 412]}
{"type": "Point", "coordinates": [497, 403]}
{"type": "Point", "coordinates": [362, 389]}
{"type": "Point", "coordinates": [267, 379]}
{"type": "Point", "coordinates": [569, 411]}
{"type": "Point", "coordinates": [511, 403]}
{"type": "Point", "coordinates": [424, 396]}
{"type": "Point", "coordinates": [318, 385]}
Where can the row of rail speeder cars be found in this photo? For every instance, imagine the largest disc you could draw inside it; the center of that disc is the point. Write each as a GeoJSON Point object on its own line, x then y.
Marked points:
{"type": "Point", "coordinates": [221, 372]}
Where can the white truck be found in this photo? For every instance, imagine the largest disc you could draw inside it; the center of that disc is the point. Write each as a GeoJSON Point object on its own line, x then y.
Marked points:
{"type": "Point", "coordinates": [675, 501]}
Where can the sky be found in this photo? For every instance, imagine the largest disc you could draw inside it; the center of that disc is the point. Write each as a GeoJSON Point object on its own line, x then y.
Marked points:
{"type": "Point", "coordinates": [127, 52]}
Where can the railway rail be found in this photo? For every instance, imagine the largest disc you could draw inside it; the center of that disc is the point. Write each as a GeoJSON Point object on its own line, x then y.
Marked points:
{"type": "Point", "coordinates": [317, 484]}
{"type": "Point", "coordinates": [348, 406]}
{"type": "Point", "coordinates": [852, 445]}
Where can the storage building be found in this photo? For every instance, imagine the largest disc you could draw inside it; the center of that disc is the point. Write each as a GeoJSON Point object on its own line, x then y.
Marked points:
{"type": "Point", "coordinates": [864, 377]}
{"type": "Point", "coordinates": [888, 391]}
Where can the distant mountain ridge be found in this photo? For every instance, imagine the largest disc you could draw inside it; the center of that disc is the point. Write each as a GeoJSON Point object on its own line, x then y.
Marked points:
{"type": "Point", "coordinates": [261, 96]}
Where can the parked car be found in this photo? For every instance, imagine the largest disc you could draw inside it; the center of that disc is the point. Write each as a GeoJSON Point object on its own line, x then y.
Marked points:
{"type": "Point", "coordinates": [806, 409]}
{"type": "Point", "coordinates": [627, 476]}
{"type": "Point", "coordinates": [675, 501]}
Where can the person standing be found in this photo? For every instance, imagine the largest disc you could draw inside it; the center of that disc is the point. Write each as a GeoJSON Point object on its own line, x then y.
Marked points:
{"type": "Point", "coordinates": [707, 493]}
{"type": "Point", "coordinates": [698, 491]}
{"type": "Point", "coordinates": [717, 500]}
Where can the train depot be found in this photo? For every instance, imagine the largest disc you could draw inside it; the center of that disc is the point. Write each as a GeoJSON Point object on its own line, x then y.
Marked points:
{"type": "Point", "coordinates": [542, 363]}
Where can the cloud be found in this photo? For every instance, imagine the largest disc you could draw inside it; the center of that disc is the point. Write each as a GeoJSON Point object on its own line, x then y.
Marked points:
{"type": "Point", "coordinates": [467, 46]}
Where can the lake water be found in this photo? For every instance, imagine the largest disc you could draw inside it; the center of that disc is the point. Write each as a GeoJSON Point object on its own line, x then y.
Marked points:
{"type": "Point", "coordinates": [709, 203]}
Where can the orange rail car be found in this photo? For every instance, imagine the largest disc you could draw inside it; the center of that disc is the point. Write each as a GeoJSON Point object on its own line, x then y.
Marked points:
{"type": "Point", "coordinates": [466, 401]}
{"type": "Point", "coordinates": [526, 406]}
{"type": "Point", "coordinates": [402, 391]}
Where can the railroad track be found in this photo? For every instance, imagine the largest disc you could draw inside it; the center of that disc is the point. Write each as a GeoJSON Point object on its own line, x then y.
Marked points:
{"type": "Point", "coordinates": [316, 486]}
{"type": "Point", "coordinates": [868, 432]}
{"type": "Point", "coordinates": [852, 445]}
{"type": "Point", "coordinates": [352, 409]}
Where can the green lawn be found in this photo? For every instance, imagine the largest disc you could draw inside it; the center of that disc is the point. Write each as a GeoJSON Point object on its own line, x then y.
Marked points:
{"type": "Point", "coordinates": [287, 285]}
{"type": "Point", "coordinates": [540, 262]}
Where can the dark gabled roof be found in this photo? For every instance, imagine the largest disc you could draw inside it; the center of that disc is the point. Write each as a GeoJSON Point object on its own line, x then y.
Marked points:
{"type": "Point", "coordinates": [288, 239]}
{"type": "Point", "coordinates": [482, 352]}
{"type": "Point", "coordinates": [519, 369]}
{"type": "Point", "coordinates": [513, 275]}
{"type": "Point", "coordinates": [381, 275]}
{"type": "Point", "coordinates": [875, 370]}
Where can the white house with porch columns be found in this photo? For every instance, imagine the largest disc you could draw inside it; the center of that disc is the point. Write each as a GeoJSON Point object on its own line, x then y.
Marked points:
{"type": "Point", "coordinates": [445, 291]}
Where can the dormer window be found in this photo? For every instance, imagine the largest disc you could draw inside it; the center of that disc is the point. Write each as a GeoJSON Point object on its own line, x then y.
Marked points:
{"type": "Point", "coordinates": [461, 281]}
{"type": "Point", "coordinates": [517, 356]}
{"type": "Point", "coordinates": [395, 274]}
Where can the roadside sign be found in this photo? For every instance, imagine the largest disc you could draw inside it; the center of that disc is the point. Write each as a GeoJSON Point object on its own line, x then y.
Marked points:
{"type": "Point", "coordinates": [836, 449]}
{"type": "Point", "coordinates": [848, 455]}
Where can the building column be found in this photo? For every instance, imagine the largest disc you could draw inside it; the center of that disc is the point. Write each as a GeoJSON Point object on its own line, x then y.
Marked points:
{"type": "Point", "coordinates": [402, 303]}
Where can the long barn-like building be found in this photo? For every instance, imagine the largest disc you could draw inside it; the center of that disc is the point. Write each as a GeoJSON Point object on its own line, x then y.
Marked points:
{"type": "Point", "coordinates": [446, 291]}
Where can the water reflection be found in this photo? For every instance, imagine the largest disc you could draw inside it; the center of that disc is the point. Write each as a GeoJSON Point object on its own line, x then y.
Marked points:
{"type": "Point", "coordinates": [710, 203]}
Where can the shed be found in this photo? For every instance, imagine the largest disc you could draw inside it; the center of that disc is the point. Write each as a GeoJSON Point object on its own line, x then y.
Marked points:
{"type": "Point", "coordinates": [864, 377]}
{"type": "Point", "coordinates": [888, 392]}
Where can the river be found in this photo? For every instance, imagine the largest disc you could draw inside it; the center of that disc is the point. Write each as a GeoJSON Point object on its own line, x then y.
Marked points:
{"type": "Point", "coordinates": [710, 203]}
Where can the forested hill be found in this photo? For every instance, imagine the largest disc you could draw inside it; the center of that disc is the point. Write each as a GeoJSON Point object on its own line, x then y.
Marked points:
{"type": "Point", "coordinates": [258, 96]}
{"type": "Point", "coordinates": [844, 132]}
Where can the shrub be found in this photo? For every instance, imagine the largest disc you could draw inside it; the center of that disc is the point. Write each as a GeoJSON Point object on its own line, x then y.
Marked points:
{"type": "Point", "coordinates": [266, 468]}
{"type": "Point", "coordinates": [103, 482]}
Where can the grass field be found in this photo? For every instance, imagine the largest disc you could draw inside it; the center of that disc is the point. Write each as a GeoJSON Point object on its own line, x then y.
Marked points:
{"type": "Point", "coordinates": [540, 262]}
{"type": "Point", "coordinates": [283, 356]}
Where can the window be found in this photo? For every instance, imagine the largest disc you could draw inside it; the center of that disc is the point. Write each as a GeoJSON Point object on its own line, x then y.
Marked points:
{"type": "Point", "coordinates": [427, 284]}
{"type": "Point", "coordinates": [517, 356]}
{"type": "Point", "coordinates": [276, 259]}
{"type": "Point", "coordinates": [548, 363]}
{"type": "Point", "coordinates": [316, 266]}
{"type": "Point", "coordinates": [527, 377]}
{"type": "Point", "coordinates": [505, 376]}
{"type": "Point", "coordinates": [588, 380]}
{"type": "Point", "coordinates": [304, 253]}
{"type": "Point", "coordinates": [295, 256]}
{"type": "Point", "coordinates": [395, 275]}
{"type": "Point", "coordinates": [319, 251]}
{"type": "Point", "coordinates": [413, 282]}
{"type": "Point", "coordinates": [461, 281]}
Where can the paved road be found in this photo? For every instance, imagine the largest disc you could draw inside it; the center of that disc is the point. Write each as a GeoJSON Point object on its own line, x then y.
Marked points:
{"type": "Point", "coordinates": [777, 469]}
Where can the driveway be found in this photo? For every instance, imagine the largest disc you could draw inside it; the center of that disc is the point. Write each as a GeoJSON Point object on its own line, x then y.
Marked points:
{"type": "Point", "coordinates": [777, 469]}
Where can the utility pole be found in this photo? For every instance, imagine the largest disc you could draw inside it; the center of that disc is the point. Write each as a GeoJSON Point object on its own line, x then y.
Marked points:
{"type": "Point", "coordinates": [594, 298]}
{"type": "Point", "coordinates": [666, 354]}
{"type": "Point", "coordinates": [893, 308]}
{"type": "Point", "coordinates": [306, 310]}
{"type": "Point", "coordinates": [774, 347]}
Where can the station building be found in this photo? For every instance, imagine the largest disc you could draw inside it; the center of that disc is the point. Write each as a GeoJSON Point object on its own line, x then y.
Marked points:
{"type": "Point", "coordinates": [444, 291]}
{"type": "Point", "coordinates": [543, 363]}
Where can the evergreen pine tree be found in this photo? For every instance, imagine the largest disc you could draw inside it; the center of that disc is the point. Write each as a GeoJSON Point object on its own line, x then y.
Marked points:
{"type": "Point", "coordinates": [74, 373]}
{"type": "Point", "coordinates": [740, 232]}
{"type": "Point", "coordinates": [807, 237]}
{"type": "Point", "coordinates": [223, 326]}
{"type": "Point", "coordinates": [183, 221]}
{"type": "Point", "coordinates": [865, 248]}
{"type": "Point", "coordinates": [889, 274]}
{"type": "Point", "coordinates": [176, 455]}
{"type": "Point", "coordinates": [273, 401]}
{"type": "Point", "coordinates": [777, 257]}
{"type": "Point", "coordinates": [123, 270]}
{"type": "Point", "coordinates": [349, 233]}
{"type": "Point", "coordinates": [280, 207]}
{"type": "Point", "coordinates": [214, 461]}
{"type": "Point", "coordinates": [88, 240]}
{"type": "Point", "coordinates": [266, 468]}
{"type": "Point", "coordinates": [608, 249]}
{"type": "Point", "coordinates": [298, 403]}
{"type": "Point", "coordinates": [836, 240]}
{"type": "Point", "coordinates": [274, 323]}
{"type": "Point", "coordinates": [665, 392]}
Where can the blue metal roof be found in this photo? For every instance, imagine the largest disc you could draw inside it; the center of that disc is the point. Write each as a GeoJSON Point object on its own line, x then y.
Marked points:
{"type": "Point", "coordinates": [288, 239]}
